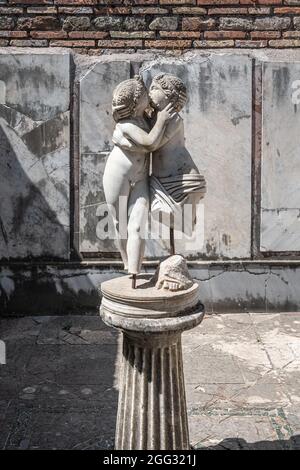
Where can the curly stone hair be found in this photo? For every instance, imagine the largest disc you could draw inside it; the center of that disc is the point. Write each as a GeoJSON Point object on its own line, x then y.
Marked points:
{"type": "Point", "coordinates": [126, 96]}
{"type": "Point", "coordinates": [174, 89]}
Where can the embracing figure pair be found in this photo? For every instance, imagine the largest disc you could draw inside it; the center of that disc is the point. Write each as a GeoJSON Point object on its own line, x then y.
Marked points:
{"type": "Point", "coordinates": [133, 185]}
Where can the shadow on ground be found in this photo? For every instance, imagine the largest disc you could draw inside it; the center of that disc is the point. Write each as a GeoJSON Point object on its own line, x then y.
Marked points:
{"type": "Point", "coordinates": [58, 388]}
{"type": "Point", "coordinates": [240, 444]}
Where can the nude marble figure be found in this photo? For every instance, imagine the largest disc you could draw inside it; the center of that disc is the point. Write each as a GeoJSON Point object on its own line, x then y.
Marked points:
{"type": "Point", "coordinates": [126, 174]}
{"type": "Point", "coordinates": [175, 180]}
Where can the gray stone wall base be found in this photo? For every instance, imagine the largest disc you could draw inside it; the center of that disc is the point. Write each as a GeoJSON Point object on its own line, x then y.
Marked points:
{"type": "Point", "coordinates": [72, 288]}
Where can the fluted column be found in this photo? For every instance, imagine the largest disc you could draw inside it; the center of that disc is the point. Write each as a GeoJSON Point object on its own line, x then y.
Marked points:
{"type": "Point", "coordinates": [152, 406]}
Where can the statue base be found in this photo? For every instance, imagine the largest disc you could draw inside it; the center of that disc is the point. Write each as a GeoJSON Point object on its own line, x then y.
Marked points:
{"type": "Point", "coordinates": [152, 406]}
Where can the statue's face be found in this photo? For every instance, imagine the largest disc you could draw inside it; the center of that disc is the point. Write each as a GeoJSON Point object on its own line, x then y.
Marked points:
{"type": "Point", "coordinates": [157, 97]}
{"type": "Point", "coordinates": [143, 103]}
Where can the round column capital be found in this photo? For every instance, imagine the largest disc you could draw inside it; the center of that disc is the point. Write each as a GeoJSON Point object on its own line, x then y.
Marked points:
{"type": "Point", "coordinates": [147, 309]}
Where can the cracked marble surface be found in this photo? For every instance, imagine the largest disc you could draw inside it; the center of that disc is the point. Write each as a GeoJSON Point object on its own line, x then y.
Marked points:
{"type": "Point", "coordinates": [35, 155]}
{"type": "Point", "coordinates": [280, 198]}
{"type": "Point", "coordinates": [217, 121]}
{"type": "Point", "coordinates": [59, 390]}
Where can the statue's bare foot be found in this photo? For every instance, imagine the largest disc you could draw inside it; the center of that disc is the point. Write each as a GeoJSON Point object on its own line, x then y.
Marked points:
{"type": "Point", "coordinates": [172, 274]}
{"type": "Point", "coordinates": [170, 285]}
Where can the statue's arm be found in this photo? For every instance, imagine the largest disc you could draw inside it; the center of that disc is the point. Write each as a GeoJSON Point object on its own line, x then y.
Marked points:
{"type": "Point", "coordinates": [148, 141]}
{"type": "Point", "coordinates": [139, 138]}
{"type": "Point", "coordinates": [121, 141]}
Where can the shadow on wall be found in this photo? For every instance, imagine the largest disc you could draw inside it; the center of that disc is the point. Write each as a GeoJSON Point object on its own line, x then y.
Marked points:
{"type": "Point", "coordinates": [240, 444]}
{"type": "Point", "coordinates": [44, 290]}
{"type": "Point", "coordinates": [35, 213]}
{"type": "Point", "coordinates": [29, 226]}
{"type": "Point", "coordinates": [34, 223]}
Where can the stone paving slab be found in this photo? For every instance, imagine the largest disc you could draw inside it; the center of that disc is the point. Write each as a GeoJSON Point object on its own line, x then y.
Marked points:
{"type": "Point", "coordinates": [242, 430]}
{"type": "Point", "coordinates": [59, 389]}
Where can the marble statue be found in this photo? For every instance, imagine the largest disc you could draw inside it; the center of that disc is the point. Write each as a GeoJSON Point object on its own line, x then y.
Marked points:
{"type": "Point", "coordinates": [126, 175]}
{"type": "Point", "coordinates": [175, 180]}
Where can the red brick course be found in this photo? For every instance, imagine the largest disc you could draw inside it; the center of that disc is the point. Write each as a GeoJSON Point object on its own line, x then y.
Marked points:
{"type": "Point", "coordinates": [143, 24]}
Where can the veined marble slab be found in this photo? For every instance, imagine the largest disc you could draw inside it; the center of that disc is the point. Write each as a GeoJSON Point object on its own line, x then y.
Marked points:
{"type": "Point", "coordinates": [280, 182]}
{"type": "Point", "coordinates": [35, 155]}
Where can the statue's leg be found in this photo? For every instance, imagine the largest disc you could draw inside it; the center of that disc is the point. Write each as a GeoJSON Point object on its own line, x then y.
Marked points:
{"type": "Point", "coordinates": [117, 190]}
{"type": "Point", "coordinates": [137, 220]}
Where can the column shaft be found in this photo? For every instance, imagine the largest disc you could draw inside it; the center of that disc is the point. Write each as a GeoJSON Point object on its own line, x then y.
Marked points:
{"type": "Point", "coordinates": [152, 407]}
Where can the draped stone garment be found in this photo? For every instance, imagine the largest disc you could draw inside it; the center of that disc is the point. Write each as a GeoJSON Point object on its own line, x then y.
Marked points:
{"type": "Point", "coordinates": [170, 193]}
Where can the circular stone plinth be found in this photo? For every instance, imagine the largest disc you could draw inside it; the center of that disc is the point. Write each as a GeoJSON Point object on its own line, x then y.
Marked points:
{"type": "Point", "coordinates": [147, 309]}
{"type": "Point", "coordinates": [146, 300]}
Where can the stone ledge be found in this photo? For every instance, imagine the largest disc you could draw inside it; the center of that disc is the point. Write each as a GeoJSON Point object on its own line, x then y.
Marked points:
{"type": "Point", "coordinates": [254, 287]}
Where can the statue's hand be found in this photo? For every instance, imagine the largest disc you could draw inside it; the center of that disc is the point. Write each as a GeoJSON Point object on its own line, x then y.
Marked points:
{"type": "Point", "coordinates": [167, 113]}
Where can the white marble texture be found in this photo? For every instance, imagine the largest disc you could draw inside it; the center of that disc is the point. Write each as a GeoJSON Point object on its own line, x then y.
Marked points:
{"type": "Point", "coordinates": [217, 119]}
{"type": "Point", "coordinates": [35, 155]}
{"type": "Point", "coordinates": [280, 183]}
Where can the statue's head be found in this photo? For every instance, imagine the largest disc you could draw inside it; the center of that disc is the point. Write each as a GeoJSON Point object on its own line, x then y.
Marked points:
{"type": "Point", "coordinates": [129, 98]}
{"type": "Point", "coordinates": [165, 89]}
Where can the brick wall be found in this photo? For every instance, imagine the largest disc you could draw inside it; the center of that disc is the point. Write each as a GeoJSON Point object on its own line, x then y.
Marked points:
{"type": "Point", "coordinates": [94, 25]}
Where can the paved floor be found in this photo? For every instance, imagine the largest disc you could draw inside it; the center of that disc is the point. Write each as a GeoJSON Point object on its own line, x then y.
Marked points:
{"type": "Point", "coordinates": [58, 389]}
